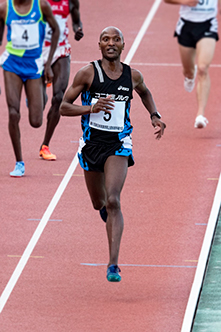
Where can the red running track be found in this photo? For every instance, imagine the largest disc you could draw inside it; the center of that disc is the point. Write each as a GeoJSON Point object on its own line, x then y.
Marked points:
{"type": "Point", "coordinates": [166, 200]}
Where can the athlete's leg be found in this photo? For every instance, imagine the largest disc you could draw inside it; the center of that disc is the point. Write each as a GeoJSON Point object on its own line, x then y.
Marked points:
{"type": "Point", "coordinates": [34, 93]}
{"type": "Point", "coordinates": [95, 183]}
{"type": "Point", "coordinates": [61, 70]}
{"type": "Point", "coordinates": [45, 96]}
{"type": "Point", "coordinates": [13, 88]}
{"type": "Point", "coordinates": [104, 189]}
{"type": "Point", "coordinates": [187, 56]}
{"type": "Point", "coordinates": [205, 52]}
{"type": "Point", "coordinates": [115, 171]}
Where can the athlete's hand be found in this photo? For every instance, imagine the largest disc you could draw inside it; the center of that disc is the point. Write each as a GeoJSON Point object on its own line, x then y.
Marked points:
{"type": "Point", "coordinates": [159, 127]}
{"type": "Point", "coordinates": [103, 104]}
{"type": "Point", "coordinates": [78, 33]}
{"type": "Point", "coordinates": [48, 74]}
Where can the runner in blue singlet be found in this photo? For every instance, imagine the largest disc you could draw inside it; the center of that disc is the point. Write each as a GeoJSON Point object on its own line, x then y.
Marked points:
{"type": "Point", "coordinates": [22, 64]}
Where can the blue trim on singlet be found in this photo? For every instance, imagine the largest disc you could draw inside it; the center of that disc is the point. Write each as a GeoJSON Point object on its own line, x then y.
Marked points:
{"type": "Point", "coordinates": [127, 125]}
{"type": "Point", "coordinates": [86, 100]}
{"type": "Point", "coordinates": [82, 162]}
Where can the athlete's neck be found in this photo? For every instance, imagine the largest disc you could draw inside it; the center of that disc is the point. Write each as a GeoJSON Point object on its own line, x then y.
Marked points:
{"type": "Point", "coordinates": [22, 6]}
{"type": "Point", "coordinates": [113, 69]}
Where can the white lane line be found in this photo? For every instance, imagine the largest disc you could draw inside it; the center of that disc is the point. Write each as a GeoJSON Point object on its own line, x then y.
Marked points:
{"type": "Point", "coordinates": [142, 31]}
{"type": "Point", "coordinates": [157, 64]}
{"type": "Point", "coordinates": [41, 226]}
{"type": "Point", "coordinates": [144, 265]}
{"type": "Point", "coordinates": [24, 259]}
{"type": "Point", "coordinates": [151, 64]}
{"type": "Point", "coordinates": [202, 262]}
{"type": "Point", "coordinates": [37, 219]}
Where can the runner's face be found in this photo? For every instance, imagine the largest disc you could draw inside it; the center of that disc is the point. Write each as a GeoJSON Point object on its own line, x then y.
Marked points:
{"type": "Point", "coordinates": [111, 44]}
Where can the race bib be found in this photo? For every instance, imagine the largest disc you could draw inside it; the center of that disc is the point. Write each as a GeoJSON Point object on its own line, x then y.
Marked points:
{"type": "Point", "coordinates": [25, 36]}
{"type": "Point", "coordinates": [205, 5]}
{"type": "Point", "coordinates": [62, 27]}
{"type": "Point", "coordinates": [109, 122]}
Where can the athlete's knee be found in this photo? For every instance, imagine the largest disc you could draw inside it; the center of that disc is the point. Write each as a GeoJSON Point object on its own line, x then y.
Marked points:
{"type": "Point", "coordinates": [98, 204]}
{"type": "Point", "coordinates": [35, 122]}
{"type": "Point", "coordinates": [57, 99]}
{"type": "Point", "coordinates": [188, 72]}
{"type": "Point", "coordinates": [14, 115]}
{"type": "Point", "coordinates": [113, 203]}
{"type": "Point", "coordinates": [202, 70]}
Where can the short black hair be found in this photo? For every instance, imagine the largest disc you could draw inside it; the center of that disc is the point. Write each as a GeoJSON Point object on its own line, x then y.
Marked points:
{"type": "Point", "coordinates": [112, 27]}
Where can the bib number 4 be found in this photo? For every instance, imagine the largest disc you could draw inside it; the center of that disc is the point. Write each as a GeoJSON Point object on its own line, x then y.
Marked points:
{"type": "Point", "coordinates": [25, 36]}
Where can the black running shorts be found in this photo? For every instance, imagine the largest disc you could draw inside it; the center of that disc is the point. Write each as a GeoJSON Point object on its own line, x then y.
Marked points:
{"type": "Point", "coordinates": [189, 33]}
{"type": "Point", "coordinates": [92, 157]}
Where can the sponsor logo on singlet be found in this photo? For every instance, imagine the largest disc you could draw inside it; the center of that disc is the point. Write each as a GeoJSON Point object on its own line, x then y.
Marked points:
{"type": "Point", "coordinates": [113, 96]}
{"type": "Point", "coordinates": [123, 88]}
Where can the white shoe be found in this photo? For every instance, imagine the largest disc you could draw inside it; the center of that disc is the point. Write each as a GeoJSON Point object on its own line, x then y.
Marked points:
{"type": "Point", "coordinates": [200, 122]}
{"type": "Point", "coordinates": [189, 83]}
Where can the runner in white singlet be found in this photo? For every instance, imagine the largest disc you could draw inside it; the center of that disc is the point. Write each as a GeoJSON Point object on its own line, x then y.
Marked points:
{"type": "Point", "coordinates": [197, 33]}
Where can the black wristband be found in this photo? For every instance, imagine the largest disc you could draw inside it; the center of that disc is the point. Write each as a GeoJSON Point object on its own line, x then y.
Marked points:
{"type": "Point", "coordinates": [157, 114]}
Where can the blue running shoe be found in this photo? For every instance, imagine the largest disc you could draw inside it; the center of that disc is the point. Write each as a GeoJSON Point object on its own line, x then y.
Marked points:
{"type": "Point", "coordinates": [19, 170]}
{"type": "Point", "coordinates": [113, 273]}
{"type": "Point", "coordinates": [103, 213]}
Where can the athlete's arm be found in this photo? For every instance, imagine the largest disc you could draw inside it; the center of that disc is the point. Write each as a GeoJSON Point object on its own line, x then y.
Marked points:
{"type": "Point", "coordinates": [190, 3]}
{"type": "Point", "coordinates": [82, 81]}
{"type": "Point", "coordinates": [140, 87]}
{"type": "Point", "coordinates": [74, 7]}
{"type": "Point", "coordinates": [49, 17]}
{"type": "Point", "coordinates": [2, 20]}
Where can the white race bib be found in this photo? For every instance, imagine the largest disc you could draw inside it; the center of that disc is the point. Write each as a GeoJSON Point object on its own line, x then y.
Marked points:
{"type": "Point", "coordinates": [204, 10]}
{"type": "Point", "coordinates": [62, 27]}
{"type": "Point", "coordinates": [25, 36]}
{"type": "Point", "coordinates": [109, 122]}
